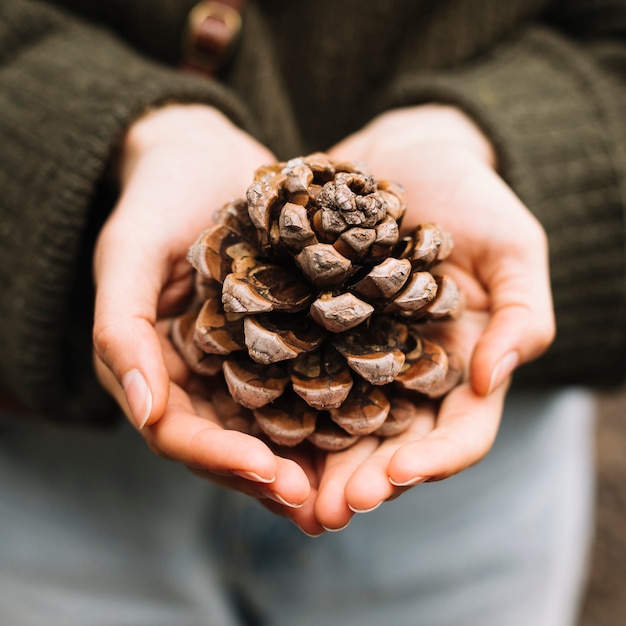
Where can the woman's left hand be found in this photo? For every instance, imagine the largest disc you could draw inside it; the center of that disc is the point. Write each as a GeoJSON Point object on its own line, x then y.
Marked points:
{"type": "Point", "coordinates": [500, 261]}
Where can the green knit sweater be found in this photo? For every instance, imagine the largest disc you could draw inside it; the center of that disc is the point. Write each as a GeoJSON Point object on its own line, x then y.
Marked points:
{"type": "Point", "coordinates": [546, 80]}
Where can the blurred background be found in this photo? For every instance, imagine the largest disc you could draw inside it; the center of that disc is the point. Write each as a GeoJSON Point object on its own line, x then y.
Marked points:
{"type": "Point", "coordinates": [605, 602]}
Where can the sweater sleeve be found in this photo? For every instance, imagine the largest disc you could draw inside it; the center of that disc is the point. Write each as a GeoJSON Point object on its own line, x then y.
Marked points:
{"type": "Point", "coordinates": [552, 99]}
{"type": "Point", "coordinates": [67, 92]}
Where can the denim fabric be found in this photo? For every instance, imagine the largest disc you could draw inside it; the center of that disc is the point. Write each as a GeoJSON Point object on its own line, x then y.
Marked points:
{"type": "Point", "coordinates": [95, 530]}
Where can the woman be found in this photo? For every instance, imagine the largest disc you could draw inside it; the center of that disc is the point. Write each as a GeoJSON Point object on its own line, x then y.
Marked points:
{"type": "Point", "coordinates": [504, 129]}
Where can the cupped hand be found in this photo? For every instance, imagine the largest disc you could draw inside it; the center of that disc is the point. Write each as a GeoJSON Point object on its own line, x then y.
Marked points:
{"type": "Point", "coordinates": [177, 165]}
{"type": "Point", "coordinates": [500, 256]}
{"type": "Point", "coordinates": [500, 260]}
{"type": "Point", "coordinates": [447, 436]}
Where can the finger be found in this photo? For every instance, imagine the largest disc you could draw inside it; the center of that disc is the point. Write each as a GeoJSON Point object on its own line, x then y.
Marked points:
{"type": "Point", "coordinates": [284, 494]}
{"type": "Point", "coordinates": [177, 368]}
{"type": "Point", "coordinates": [521, 324]}
{"type": "Point", "coordinates": [200, 442]}
{"type": "Point", "coordinates": [311, 461]}
{"type": "Point", "coordinates": [290, 488]}
{"type": "Point", "coordinates": [182, 435]}
{"type": "Point", "coordinates": [308, 457]}
{"type": "Point", "coordinates": [331, 508]}
{"type": "Point", "coordinates": [128, 286]}
{"type": "Point", "coordinates": [467, 424]}
{"type": "Point", "coordinates": [303, 517]}
{"type": "Point", "coordinates": [369, 485]}
{"type": "Point", "coordinates": [227, 481]}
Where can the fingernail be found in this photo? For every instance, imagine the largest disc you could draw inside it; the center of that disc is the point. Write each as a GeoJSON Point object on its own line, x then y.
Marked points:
{"type": "Point", "coordinates": [336, 530]}
{"type": "Point", "coordinates": [372, 508]}
{"type": "Point", "coordinates": [408, 483]}
{"type": "Point", "coordinates": [312, 535]}
{"type": "Point", "coordinates": [504, 367]}
{"type": "Point", "coordinates": [253, 476]}
{"type": "Point", "coordinates": [138, 396]}
{"type": "Point", "coordinates": [272, 495]}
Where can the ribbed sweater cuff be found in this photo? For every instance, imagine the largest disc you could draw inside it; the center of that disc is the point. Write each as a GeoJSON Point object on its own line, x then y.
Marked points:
{"type": "Point", "coordinates": [553, 117]}
{"type": "Point", "coordinates": [67, 93]}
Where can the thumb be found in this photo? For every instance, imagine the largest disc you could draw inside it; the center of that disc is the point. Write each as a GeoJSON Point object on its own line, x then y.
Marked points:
{"type": "Point", "coordinates": [124, 335]}
{"type": "Point", "coordinates": [520, 328]}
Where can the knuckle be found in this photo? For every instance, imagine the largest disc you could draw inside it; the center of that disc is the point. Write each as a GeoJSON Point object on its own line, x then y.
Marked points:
{"type": "Point", "coordinates": [104, 338]}
{"type": "Point", "coordinates": [156, 450]}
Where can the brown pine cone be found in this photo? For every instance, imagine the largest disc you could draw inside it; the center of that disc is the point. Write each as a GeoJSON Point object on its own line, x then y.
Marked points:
{"type": "Point", "coordinates": [311, 303]}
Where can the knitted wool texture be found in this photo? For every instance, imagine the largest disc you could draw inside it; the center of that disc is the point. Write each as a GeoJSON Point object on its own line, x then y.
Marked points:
{"type": "Point", "coordinates": [545, 80]}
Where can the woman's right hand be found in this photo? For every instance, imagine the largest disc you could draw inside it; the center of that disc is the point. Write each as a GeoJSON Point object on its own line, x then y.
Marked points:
{"type": "Point", "coordinates": [178, 164]}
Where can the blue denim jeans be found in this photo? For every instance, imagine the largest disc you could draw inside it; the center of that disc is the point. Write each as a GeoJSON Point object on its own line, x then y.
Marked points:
{"type": "Point", "coordinates": [95, 530]}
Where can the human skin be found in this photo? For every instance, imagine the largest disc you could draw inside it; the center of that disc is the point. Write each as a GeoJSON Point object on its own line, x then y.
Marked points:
{"type": "Point", "coordinates": [181, 162]}
{"type": "Point", "coordinates": [500, 259]}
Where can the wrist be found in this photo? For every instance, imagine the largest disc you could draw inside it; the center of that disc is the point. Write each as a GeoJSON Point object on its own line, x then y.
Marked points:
{"type": "Point", "coordinates": [169, 124]}
{"type": "Point", "coordinates": [443, 124]}
{"type": "Point", "coordinates": [456, 126]}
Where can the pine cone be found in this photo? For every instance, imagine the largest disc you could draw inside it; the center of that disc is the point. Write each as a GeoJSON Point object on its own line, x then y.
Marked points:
{"type": "Point", "coordinates": [309, 303]}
